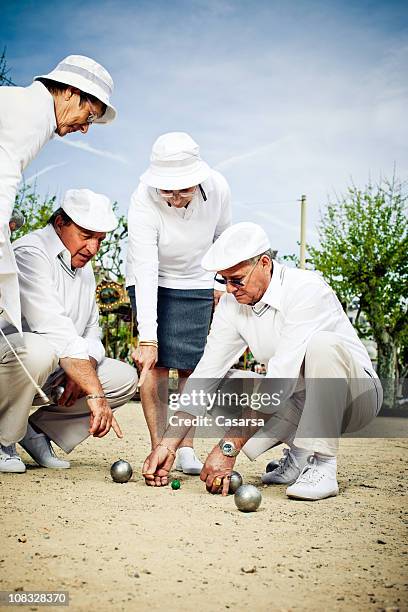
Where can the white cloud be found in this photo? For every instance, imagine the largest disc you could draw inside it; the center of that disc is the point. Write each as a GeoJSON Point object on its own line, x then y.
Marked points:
{"type": "Point", "coordinates": [86, 147]}
{"type": "Point", "coordinates": [243, 157]}
{"type": "Point", "coordinates": [33, 177]}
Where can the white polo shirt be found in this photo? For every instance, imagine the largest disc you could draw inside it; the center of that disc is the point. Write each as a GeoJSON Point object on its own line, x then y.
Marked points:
{"type": "Point", "coordinates": [296, 305]}
{"type": "Point", "coordinates": [57, 301]}
{"type": "Point", "coordinates": [166, 244]}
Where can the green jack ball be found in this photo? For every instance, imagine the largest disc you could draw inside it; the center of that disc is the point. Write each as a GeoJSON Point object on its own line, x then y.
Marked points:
{"type": "Point", "coordinates": [175, 484]}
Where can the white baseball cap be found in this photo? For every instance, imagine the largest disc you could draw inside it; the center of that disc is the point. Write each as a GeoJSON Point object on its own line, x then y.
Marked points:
{"type": "Point", "coordinates": [92, 211]}
{"type": "Point", "coordinates": [88, 76]}
{"type": "Point", "coordinates": [175, 163]}
{"type": "Point", "coordinates": [237, 243]}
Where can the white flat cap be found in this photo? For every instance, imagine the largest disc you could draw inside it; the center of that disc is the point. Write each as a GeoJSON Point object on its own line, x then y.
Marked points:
{"type": "Point", "coordinates": [237, 243]}
{"type": "Point", "coordinates": [92, 211]}
{"type": "Point", "coordinates": [175, 163]}
{"type": "Point", "coordinates": [87, 75]}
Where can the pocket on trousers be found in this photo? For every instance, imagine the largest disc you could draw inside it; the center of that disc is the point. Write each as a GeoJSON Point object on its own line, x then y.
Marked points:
{"type": "Point", "coordinates": [6, 353]}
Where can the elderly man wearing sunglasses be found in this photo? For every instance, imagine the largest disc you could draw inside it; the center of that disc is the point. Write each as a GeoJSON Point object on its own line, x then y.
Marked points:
{"type": "Point", "coordinates": [319, 382]}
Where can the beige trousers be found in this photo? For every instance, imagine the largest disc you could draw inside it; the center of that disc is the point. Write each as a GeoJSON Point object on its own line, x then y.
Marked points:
{"type": "Point", "coordinates": [347, 402]}
{"type": "Point", "coordinates": [66, 426]}
{"type": "Point", "coordinates": [16, 392]}
{"type": "Point", "coordinates": [340, 397]}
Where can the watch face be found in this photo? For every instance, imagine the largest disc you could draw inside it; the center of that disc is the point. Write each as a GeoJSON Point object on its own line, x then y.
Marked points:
{"type": "Point", "coordinates": [228, 449]}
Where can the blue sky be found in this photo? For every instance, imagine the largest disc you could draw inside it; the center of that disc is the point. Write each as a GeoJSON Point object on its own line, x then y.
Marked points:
{"type": "Point", "coordinates": [284, 98]}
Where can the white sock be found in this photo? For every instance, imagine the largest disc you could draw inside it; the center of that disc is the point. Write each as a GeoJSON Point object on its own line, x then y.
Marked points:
{"type": "Point", "coordinates": [300, 454]}
{"type": "Point", "coordinates": [31, 431]}
{"type": "Point", "coordinates": [187, 457]}
{"type": "Point", "coordinates": [328, 461]}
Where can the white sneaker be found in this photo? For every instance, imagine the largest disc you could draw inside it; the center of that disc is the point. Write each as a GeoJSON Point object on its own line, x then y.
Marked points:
{"type": "Point", "coordinates": [316, 481]}
{"type": "Point", "coordinates": [187, 461]}
{"type": "Point", "coordinates": [10, 461]}
{"type": "Point", "coordinates": [287, 471]}
{"type": "Point", "coordinates": [38, 446]}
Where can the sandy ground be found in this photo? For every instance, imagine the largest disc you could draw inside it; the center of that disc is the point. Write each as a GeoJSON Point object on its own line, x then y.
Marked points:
{"type": "Point", "coordinates": [130, 547]}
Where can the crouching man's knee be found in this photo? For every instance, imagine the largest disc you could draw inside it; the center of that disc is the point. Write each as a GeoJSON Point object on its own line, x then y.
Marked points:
{"type": "Point", "coordinates": [37, 355]}
{"type": "Point", "coordinates": [326, 356]}
{"type": "Point", "coordinates": [41, 358]}
{"type": "Point", "coordinates": [119, 381]}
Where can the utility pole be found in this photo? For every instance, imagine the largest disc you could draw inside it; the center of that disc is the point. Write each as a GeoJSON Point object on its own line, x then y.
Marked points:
{"type": "Point", "coordinates": [303, 232]}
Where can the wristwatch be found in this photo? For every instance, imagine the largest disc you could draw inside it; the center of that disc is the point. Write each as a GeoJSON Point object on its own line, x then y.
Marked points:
{"type": "Point", "coordinates": [228, 448]}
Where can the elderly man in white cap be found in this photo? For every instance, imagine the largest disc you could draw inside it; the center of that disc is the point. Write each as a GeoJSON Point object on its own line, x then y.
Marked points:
{"type": "Point", "coordinates": [179, 208]}
{"type": "Point", "coordinates": [291, 320]}
{"type": "Point", "coordinates": [61, 344]}
{"type": "Point", "coordinates": [68, 99]}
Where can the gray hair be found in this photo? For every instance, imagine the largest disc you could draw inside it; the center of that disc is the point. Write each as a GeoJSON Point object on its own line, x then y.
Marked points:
{"type": "Point", "coordinates": [269, 253]}
{"type": "Point", "coordinates": [60, 212]}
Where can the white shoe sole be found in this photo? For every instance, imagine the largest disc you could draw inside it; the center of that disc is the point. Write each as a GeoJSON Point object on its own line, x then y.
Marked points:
{"type": "Point", "coordinates": [190, 471]}
{"type": "Point", "coordinates": [299, 496]}
{"type": "Point", "coordinates": [16, 470]}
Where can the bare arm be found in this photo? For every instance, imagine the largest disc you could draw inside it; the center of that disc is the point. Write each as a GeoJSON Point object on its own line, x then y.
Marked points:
{"type": "Point", "coordinates": [82, 372]}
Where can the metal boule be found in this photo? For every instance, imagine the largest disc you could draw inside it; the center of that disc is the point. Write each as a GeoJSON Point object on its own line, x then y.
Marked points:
{"type": "Point", "coordinates": [235, 481]}
{"type": "Point", "coordinates": [121, 471]}
{"type": "Point", "coordinates": [56, 393]}
{"type": "Point", "coordinates": [247, 498]}
{"type": "Point", "coordinates": [272, 465]}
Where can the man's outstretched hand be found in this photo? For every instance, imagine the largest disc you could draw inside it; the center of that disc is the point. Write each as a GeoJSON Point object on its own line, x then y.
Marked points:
{"type": "Point", "coordinates": [216, 471]}
{"type": "Point", "coordinates": [157, 466]}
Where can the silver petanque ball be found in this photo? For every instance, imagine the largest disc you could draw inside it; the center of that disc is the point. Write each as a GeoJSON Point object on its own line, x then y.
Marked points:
{"type": "Point", "coordinates": [247, 498]}
{"type": "Point", "coordinates": [235, 481]}
{"type": "Point", "coordinates": [56, 393]}
{"type": "Point", "coordinates": [121, 471]}
{"type": "Point", "coordinates": [272, 465]}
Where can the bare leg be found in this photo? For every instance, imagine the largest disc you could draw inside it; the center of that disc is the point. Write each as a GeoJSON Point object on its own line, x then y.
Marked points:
{"type": "Point", "coordinates": [182, 379]}
{"type": "Point", "coordinates": [154, 396]}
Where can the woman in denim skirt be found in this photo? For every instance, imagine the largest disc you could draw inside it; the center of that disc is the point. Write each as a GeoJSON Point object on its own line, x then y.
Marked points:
{"type": "Point", "coordinates": [179, 209]}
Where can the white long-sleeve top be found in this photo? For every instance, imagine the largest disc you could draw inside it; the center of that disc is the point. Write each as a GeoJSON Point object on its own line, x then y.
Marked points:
{"type": "Point", "coordinates": [166, 244]}
{"type": "Point", "coordinates": [296, 305]}
{"type": "Point", "coordinates": [56, 301]}
{"type": "Point", "coordinates": [27, 123]}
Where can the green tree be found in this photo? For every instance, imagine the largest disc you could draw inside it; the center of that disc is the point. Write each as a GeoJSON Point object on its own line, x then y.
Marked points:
{"type": "Point", "coordinates": [33, 209]}
{"type": "Point", "coordinates": [4, 70]}
{"type": "Point", "coordinates": [363, 254]}
{"type": "Point", "coordinates": [108, 262]}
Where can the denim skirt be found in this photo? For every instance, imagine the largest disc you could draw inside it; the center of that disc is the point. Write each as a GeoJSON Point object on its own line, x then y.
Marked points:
{"type": "Point", "coordinates": [183, 322]}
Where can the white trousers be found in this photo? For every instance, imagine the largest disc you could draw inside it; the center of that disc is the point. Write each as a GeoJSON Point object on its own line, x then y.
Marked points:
{"type": "Point", "coordinates": [340, 396]}
{"type": "Point", "coordinates": [66, 426]}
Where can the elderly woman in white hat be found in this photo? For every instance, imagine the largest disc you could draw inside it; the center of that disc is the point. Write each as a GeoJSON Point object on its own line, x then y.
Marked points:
{"type": "Point", "coordinates": [68, 99]}
{"type": "Point", "coordinates": [179, 209]}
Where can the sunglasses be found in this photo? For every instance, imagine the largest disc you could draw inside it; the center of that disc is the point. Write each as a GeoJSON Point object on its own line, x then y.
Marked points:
{"type": "Point", "coordinates": [237, 282]}
{"type": "Point", "coordinates": [183, 193]}
{"type": "Point", "coordinates": [93, 115]}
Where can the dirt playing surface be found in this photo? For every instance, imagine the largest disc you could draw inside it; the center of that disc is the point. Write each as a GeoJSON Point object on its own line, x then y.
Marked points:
{"type": "Point", "coordinates": [131, 547]}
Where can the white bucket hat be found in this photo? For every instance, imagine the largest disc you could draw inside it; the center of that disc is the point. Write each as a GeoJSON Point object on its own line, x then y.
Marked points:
{"type": "Point", "coordinates": [88, 76]}
{"type": "Point", "coordinates": [92, 211]}
{"type": "Point", "coordinates": [236, 244]}
{"type": "Point", "coordinates": [175, 163]}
